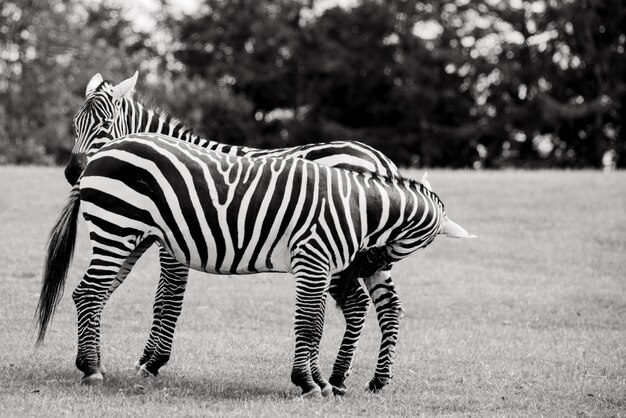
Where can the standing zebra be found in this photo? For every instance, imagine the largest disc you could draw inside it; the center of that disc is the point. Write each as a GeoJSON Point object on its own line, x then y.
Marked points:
{"type": "Point", "coordinates": [232, 215]}
{"type": "Point", "coordinates": [110, 112]}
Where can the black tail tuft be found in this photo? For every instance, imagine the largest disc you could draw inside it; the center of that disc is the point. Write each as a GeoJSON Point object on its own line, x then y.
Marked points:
{"type": "Point", "coordinates": [57, 263]}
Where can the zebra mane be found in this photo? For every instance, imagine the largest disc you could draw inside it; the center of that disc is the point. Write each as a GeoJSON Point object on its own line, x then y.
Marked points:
{"type": "Point", "coordinates": [150, 104]}
{"type": "Point", "coordinates": [146, 102]}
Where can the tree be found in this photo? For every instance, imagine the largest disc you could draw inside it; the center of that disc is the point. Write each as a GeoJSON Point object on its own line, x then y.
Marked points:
{"type": "Point", "coordinates": [559, 81]}
{"type": "Point", "coordinates": [438, 83]}
{"type": "Point", "coordinates": [49, 52]}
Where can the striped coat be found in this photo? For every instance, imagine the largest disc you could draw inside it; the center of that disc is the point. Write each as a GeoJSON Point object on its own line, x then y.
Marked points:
{"type": "Point", "coordinates": [110, 112]}
{"type": "Point", "coordinates": [213, 212]}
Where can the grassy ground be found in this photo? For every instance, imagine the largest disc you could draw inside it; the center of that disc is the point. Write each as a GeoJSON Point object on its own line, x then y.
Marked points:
{"type": "Point", "coordinates": [529, 319]}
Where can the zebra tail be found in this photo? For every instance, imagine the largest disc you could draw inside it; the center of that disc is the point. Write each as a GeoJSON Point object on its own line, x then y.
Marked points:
{"type": "Point", "coordinates": [58, 258]}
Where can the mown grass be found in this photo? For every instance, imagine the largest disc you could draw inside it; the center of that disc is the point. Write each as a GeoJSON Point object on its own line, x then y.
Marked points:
{"type": "Point", "coordinates": [529, 319]}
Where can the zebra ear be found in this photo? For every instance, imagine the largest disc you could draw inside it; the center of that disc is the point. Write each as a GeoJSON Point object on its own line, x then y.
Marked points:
{"type": "Point", "coordinates": [125, 88]}
{"type": "Point", "coordinates": [425, 181]}
{"type": "Point", "coordinates": [95, 81]}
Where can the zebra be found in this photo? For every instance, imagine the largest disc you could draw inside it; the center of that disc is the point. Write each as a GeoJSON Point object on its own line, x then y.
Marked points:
{"type": "Point", "coordinates": [224, 214]}
{"type": "Point", "coordinates": [110, 112]}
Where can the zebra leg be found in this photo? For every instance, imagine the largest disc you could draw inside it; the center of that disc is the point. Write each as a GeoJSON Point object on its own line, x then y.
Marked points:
{"type": "Point", "coordinates": [90, 296]}
{"type": "Point", "coordinates": [153, 338]}
{"type": "Point", "coordinates": [314, 358]}
{"type": "Point", "coordinates": [310, 287]}
{"type": "Point", "coordinates": [170, 269]}
{"type": "Point", "coordinates": [168, 305]}
{"type": "Point", "coordinates": [389, 311]}
{"type": "Point", "coordinates": [354, 307]}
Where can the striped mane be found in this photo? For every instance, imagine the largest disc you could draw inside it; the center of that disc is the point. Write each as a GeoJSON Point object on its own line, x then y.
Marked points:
{"type": "Point", "coordinates": [149, 105]}
{"type": "Point", "coordinates": [138, 102]}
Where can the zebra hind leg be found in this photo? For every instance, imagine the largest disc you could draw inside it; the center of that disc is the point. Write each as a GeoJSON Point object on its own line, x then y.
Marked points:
{"type": "Point", "coordinates": [354, 307]}
{"type": "Point", "coordinates": [165, 260]}
{"type": "Point", "coordinates": [389, 311]}
{"type": "Point", "coordinates": [167, 308]}
{"type": "Point", "coordinates": [150, 346]}
{"type": "Point", "coordinates": [106, 271]}
{"type": "Point", "coordinates": [121, 276]}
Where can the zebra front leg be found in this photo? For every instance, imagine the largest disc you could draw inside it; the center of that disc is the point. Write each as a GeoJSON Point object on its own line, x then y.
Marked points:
{"type": "Point", "coordinates": [354, 307]}
{"type": "Point", "coordinates": [168, 303]}
{"type": "Point", "coordinates": [105, 269]}
{"type": "Point", "coordinates": [310, 286]}
{"type": "Point", "coordinates": [389, 312]}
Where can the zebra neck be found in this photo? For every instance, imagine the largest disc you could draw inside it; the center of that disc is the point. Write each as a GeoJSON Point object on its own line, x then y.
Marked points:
{"type": "Point", "coordinates": [391, 206]}
{"type": "Point", "coordinates": [140, 119]}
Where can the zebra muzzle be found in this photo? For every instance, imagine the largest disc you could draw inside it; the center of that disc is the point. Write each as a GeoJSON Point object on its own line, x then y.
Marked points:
{"type": "Point", "coordinates": [75, 167]}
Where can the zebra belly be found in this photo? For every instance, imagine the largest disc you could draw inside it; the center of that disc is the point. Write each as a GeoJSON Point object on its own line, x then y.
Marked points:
{"type": "Point", "coordinates": [268, 259]}
{"type": "Point", "coordinates": [279, 262]}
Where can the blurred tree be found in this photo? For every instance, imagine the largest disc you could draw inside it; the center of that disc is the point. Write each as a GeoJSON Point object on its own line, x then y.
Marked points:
{"type": "Point", "coordinates": [375, 78]}
{"type": "Point", "coordinates": [557, 82]}
{"type": "Point", "coordinates": [248, 45]}
{"type": "Point", "coordinates": [359, 74]}
{"type": "Point", "coordinates": [453, 83]}
{"type": "Point", "coordinates": [585, 91]}
{"type": "Point", "coordinates": [48, 52]}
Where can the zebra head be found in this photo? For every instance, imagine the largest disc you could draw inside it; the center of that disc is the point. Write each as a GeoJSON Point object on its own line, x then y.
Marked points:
{"type": "Point", "coordinates": [98, 121]}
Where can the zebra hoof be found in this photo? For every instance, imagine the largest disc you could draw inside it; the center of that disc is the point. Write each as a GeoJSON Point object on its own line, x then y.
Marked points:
{"type": "Point", "coordinates": [144, 373]}
{"type": "Point", "coordinates": [327, 390]}
{"type": "Point", "coordinates": [94, 379]}
{"type": "Point", "coordinates": [137, 365]}
{"type": "Point", "coordinates": [377, 384]}
{"type": "Point", "coordinates": [339, 390]}
{"type": "Point", "coordinates": [314, 393]}
{"type": "Point", "coordinates": [102, 370]}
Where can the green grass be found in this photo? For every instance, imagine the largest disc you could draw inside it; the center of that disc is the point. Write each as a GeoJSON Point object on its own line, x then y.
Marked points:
{"type": "Point", "coordinates": [529, 319]}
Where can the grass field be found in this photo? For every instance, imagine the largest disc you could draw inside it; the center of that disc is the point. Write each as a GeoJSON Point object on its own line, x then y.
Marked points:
{"type": "Point", "coordinates": [529, 319]}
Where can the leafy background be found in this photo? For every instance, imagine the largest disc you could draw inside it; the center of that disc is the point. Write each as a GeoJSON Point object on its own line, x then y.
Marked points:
{"type": "Point", "coordinates": [481, 84]}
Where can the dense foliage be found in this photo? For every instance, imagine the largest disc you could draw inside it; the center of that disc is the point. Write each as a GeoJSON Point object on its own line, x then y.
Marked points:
{"type": "Point", "coordinates": [460, 83]}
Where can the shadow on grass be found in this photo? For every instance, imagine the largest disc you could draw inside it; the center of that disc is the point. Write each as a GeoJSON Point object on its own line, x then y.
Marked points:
{"type": "Point", "coordinates": [214, 386]}
{"type": "Point", "coordinates": [60, 380]}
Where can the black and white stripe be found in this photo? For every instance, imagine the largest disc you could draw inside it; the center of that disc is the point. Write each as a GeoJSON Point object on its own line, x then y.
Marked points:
{"type": "Point", "coordinates": [110, 112]}
{"type": "Point", "coordinates": [213, 212]}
